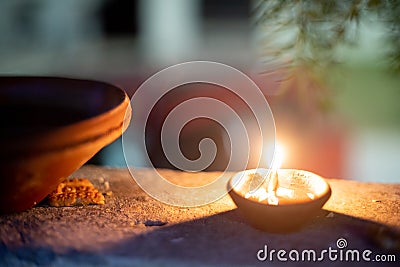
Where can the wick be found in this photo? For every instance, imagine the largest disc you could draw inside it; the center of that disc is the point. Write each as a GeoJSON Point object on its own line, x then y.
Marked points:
{"type": "Point", "coordinates": [272, 188]}
{"type": "Point", "coordinates": [267, 192]}
{"type": "Point", "coordinates": [273, 182]}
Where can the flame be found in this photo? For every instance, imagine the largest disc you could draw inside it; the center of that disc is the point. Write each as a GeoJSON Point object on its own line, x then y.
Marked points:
{"type": "Point", "coordinates": [278, 158]}
{"type": "Point", "coordinates": [269, 192]}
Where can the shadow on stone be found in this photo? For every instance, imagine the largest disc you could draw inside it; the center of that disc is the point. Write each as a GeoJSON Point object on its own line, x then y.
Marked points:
{"type": "Point", "coordinates": [225, 238]}
{"type": "Point", "coordinates": [221, 239]}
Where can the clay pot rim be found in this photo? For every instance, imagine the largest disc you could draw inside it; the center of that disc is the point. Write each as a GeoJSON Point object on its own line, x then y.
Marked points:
{"type": "Point", "coordinates": [78, 132]}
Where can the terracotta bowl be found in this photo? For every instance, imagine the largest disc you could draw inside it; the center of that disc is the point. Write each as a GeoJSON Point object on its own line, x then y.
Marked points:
{"type": "Point", "coordinates": [285, 217]}
{"type": "Point", "coordinates": [49, 128]}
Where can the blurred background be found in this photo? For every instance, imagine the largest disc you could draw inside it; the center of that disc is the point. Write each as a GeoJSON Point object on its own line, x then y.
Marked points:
{"type": "Point", "coordinates": [341, 120]}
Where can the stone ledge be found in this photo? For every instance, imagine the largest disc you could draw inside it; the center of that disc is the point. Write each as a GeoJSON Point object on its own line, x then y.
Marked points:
{"type": "Point", "coordinates": [134, 229]}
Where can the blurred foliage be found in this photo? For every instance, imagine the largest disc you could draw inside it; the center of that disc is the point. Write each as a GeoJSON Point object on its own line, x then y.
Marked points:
{"type": "Point", "coordinates": [306, 34]}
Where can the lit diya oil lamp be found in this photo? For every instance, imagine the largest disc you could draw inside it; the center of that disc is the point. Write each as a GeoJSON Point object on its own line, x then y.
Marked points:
{"type": "Point", "coordinates": [278, 200]}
